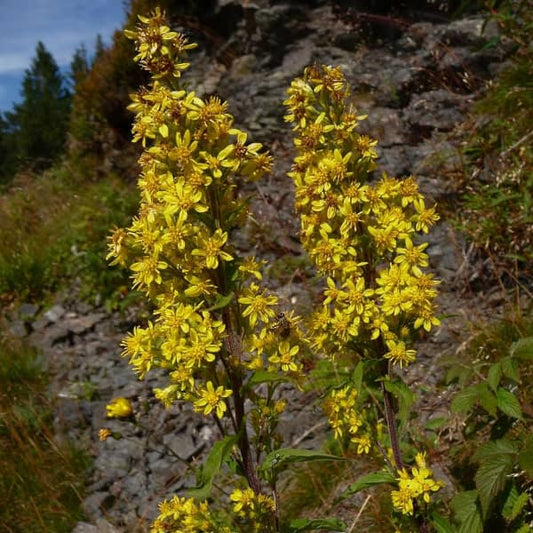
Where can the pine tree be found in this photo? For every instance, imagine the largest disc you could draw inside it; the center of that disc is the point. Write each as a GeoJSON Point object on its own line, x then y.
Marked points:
{"type": "Point", "coordinates": [42, 117]}
{"type": "Point", "coordinates": [79, 67]}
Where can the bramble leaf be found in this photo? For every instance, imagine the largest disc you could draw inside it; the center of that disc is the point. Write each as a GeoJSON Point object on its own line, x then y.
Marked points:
{"type": "Point", "coordinates": [469, 396]}
{"type": "Point", "coordinates": [514, 504]}
{"type": "Point", "coordinates": [508, 403]}
{"type": "Point", "coordinates": [523, 348]}
{"type": "Point", "coordinates": [496, 460]}
{"type": "Point", "coordinates": [510, 368]}
{"type": "Point", "coordinates": [525, 457]}
{"type": "Point", "coordinates": [440, 524]}
{"type": "Point", "coordinates": [467, 512]}
{"type": "Point", "coordinates": [494, 375]}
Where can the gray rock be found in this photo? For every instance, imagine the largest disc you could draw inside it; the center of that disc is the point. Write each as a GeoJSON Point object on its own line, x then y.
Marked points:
{"type": "Point", "coordinates": [54, 313]}
{"type": "Point", "coordinates": [18, 328]}
{"type": "Point", "coordinates": [101, 526]}
{"type": "Point", "coordinates": [27, 311]}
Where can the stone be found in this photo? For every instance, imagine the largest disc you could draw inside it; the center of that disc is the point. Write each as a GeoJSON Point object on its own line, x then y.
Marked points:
{"type": "Point", "coordinates": [18, 328]}
{"type": "Point", "coordinates": [27, 310]}
{"type": "Point", "coordinates": [54, 313]}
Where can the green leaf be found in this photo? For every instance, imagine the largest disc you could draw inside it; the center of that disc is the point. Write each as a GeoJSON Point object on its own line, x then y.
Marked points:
{"type": "Point", "coordinates": [369, 480]}
{"type": "Point", "coordinates": [440, 524]}
{"type": "Point", "coordinates": [263, 376]}
{"type": "Point", "coordinates": [494, 376]}
{"type": "Point", "coordinates": [221, 301]}
{"type": "Point", "coordinates": [284, 456]}
{"type": "Point", "coordinates": [436, 423]}
{"type": "Point", "coordinates": [525, 457]}
{"type": "Point", "coordinates": [510, 368]}
{"type": "Point", "coordinates": [488, 400]}
{"type": "Point", "coordinates": [467, 512]}
{"type": "Point", "coordinates": [514, 504]}
{"type": "Point", "coordinates": [523, 348]}
{"type": "Point", "coordinates": [357, 377]}
{"type": "Point", "coordinates": [508, 403]}
{"type": "Point", "coordinates": [218, 454]}
{"type": "Point", "coordinates": [496, 460]}
{"type": "Point", "coordinates": [406, 398]}
{"type": "Point", "coordinates": [312, 524]}
{"type": "Point", "coordinates": [469, 396]}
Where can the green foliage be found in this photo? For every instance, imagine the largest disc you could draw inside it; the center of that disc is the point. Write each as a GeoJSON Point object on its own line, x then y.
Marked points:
{"type": "Point", "coordinates": [42, 478]}
{"type": "Point", "coordinates": [494, 375]}
{"type": "Point", "coordinates": [499, 155]}
{"type": "Point", "coordinates": [53, 231]}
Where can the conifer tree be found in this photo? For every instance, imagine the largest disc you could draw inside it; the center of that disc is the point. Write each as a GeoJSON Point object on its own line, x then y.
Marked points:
{"type": "Point", "coordinates": [79, 66]}
{"type": "Point", "coordinates": [42, 117]}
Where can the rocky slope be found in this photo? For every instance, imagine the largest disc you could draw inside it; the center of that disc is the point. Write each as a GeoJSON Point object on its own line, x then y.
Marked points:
{"type": "Point", "coordinates": [416, 80]}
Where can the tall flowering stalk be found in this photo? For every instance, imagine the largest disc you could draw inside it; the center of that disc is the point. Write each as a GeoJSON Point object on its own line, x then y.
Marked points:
{"type": "Point", "coordinates": [362, 236]}
{"type": "Point", "coordinates": [217, 331]}
{"type": "Point", "coordinates": [213, 322]}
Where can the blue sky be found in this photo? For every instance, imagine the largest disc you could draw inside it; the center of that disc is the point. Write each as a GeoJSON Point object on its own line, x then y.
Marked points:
{"type": "Point", "coordinates": [62, 25]}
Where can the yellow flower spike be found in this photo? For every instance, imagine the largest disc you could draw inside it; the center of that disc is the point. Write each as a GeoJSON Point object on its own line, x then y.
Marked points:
{"type": "Point", "coordinates": [119, 408]}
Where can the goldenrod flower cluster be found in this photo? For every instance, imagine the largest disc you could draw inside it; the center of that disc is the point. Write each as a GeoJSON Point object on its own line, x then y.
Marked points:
{"type": "Point", "coordinates": [361, 234]}
{"type": "Point", "coordinates": [178, 246]}
{"type": "Point", "coordinates": [252, 508]}
{"type": "Point", "coordinates": [412, 485]}
{"type": "Point", "coordinates": [186, 516]}
{"type": "Point", "coordinates": [346, 420]}
{"type": "Point", "coordinates": [119, 408]}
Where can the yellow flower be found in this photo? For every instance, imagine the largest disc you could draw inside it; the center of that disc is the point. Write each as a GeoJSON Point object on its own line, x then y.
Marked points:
{"type": "Point", "coordinates": [104, 434]}
{"type": "Point", "coordinates": [211, 248]}
{"type": "Point", "coordinates": [398, 353]}
{"type": "Point", "coordinates": [285, 357]}
{"type": "Point", "coordinates": [212, 399]}
{"type": "Point", "coordinates": [119, 408]}
{"type": "Point", "coordinates": [259, 306]}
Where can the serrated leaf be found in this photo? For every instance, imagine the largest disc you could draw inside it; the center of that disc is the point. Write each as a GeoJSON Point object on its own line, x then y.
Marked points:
{"type": "Point", "coordinates": [466, 399]}
{"type": "Point", "coordinates": [488, 400]}
{"type": "Point", "coordinates": [508, 403]}
{"type": "Point", "coordinates": [514, 504]}
{"type": "Point", "coordinates": [218, 454]}
{"type": "Point", "coordinates": [494, 375]}
{"type": "Point", "coordinates": [467, 512]}
{"type": "Point", "coordinates": [406, 398]}
{"type": "Point", "coordinates": [285, 456]}
{"type": "Point", "coordinates": [525, 457]}
{"type": "Point", "coordinates": [440, 524]}
{"type": "Point", "coordinates": [312, 524]}
{"type": "Point", "coordinates": [369, 480]}
{"type": "Point", "coordinates": [523, 348]}
{"type": "Point", "coordinates": [496, 460]}
{"type": "Point", "coordinates": [510, 368]}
